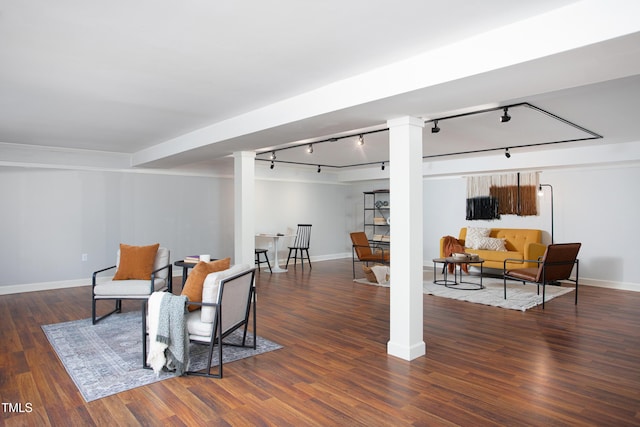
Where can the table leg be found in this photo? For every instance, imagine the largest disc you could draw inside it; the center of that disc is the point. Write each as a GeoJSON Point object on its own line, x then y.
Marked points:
{"type": "Point", "coordinates": [434, 272]}
{"type": "Point", "coordinates": [460, 284]}
{"type": "Point", "coordinates": [445, 280]}
{"type": "Point", "coordinates": [276, 268]}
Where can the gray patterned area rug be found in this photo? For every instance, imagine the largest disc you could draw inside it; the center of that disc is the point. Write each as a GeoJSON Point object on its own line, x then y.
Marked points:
{"type": "Point", "coordinates": [106, 358]}
{"type": "Point", "coordinates": [519, 297]}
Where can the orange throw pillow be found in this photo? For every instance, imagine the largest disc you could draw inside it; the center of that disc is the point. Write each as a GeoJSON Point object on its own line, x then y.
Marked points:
{"type": "Point", "coordinates": [192, 288]}
{"type": "Point", "coordinates": [136, 262]}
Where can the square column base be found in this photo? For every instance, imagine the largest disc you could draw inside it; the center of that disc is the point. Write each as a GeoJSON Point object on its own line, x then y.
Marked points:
{"type": "Point", "coordinates": [407, 353]}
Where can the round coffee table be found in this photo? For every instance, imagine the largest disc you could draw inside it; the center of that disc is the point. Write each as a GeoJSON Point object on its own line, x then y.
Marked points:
{"type": "Point", "coordinates": [457, 262]}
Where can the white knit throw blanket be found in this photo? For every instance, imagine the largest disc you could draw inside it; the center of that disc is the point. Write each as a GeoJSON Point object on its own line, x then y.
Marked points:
{"type": "Point", "coordinates": [168, 337]}
{"type": "Point", "coordinates": [155, 358]}
{"type": "Point", "coordinates": [172, 330]}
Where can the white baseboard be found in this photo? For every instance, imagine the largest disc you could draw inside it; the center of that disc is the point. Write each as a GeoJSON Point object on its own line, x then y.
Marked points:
{"type": "Point", "coordinates": [623, 286]}
{"type": "Point", "coordinates": [321, 258]}
{"type": "Point", "coordinates": [43, 286]}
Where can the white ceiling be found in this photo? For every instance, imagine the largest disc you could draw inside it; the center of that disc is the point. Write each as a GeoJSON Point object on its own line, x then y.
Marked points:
{"type": "Point", "coordinates": [183, 83]}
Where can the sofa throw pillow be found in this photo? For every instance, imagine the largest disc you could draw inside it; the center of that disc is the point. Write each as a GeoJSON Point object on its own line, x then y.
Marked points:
{"type": "Point", "coordinates": [491, 244]}
{"type": "Point", "coordinates": [473, 234]}
{"type": "Point", "coordinates": [136, 262]}
{"type": "Point", "coordinates": [192, 288]}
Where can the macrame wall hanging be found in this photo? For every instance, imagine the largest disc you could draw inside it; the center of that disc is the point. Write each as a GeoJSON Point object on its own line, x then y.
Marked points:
{"type": "Point", "coordinates": [490, 196]}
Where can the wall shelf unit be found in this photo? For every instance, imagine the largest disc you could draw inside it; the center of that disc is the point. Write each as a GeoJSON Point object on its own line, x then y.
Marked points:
{"type": "Point", "coordinates": [376, 216]}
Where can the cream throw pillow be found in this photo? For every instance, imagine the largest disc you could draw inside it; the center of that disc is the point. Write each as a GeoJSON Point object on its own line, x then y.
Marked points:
{"type": "Point", "coordinates": [491, 244]}
{"type": "Point", "coordinates": [474, 234]}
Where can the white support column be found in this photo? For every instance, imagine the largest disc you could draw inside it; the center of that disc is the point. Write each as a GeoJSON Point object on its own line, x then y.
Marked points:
{"type": "Point", "coordinates": [406, 295]}
{"type": "Point", "coordinates": [244, 207]}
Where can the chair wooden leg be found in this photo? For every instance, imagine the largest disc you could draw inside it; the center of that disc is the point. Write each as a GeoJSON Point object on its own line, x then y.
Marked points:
{"type": "Point", "coordinates": [259, 261]}
{"type": "Point", "coordinates": [267, 260]}
{"type": "Point", "coordinates": [268, 263]}
{"type": "Point", "coordinates": [288, 257]}
{"type": "Point", "coordinates": [295, 257]}
{"type": "Point", "coordinates": [301, 257]}
{"type": "Point", "coordinates": [308, 258]}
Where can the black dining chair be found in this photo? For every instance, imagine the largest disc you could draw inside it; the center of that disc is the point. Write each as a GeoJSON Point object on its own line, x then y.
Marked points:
{"type": "Point", "coordinates": [301, 244]}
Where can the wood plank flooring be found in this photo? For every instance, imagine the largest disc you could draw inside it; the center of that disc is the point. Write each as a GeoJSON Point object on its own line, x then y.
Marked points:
{"type": "Point", "coordinates": [485, 366]}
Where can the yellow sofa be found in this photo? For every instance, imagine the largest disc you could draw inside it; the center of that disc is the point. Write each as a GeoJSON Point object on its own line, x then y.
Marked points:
{"type": "Point", "coordinates": [521, 243]}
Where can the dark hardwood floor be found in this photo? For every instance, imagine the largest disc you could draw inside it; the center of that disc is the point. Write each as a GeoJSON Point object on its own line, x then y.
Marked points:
{"type": "Point", "coordinates": [566, 365]}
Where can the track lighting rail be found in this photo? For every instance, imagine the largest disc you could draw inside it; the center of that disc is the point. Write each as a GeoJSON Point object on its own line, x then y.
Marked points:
{"type": "Point", "coordinates": [436, 121]}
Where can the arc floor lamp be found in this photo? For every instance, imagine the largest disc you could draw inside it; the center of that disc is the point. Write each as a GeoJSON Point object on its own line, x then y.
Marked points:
{"type": "Point", "coordinates": [541, 193]}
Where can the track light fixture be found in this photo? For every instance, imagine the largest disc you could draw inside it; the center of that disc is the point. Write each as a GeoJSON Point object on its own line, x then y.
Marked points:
{"type": "Point", "coordinates": [272, 165]}
{"type": "Point", "coordinates": [273, 155]}
{"type": "Point", "coordinates": [435, 128]}
{"type": "Point", "coordinates": [382, 166]}
{"type": "Point", "coordinates": [507, 154]}
{"type": "Point", "coordinates": [319, 170]}
{"type": "Point", "coordinates": [505, 117]}
{"type": "Point", "coordinates": [310, 149]}
{"type": "Point", "coordinates": [361, 140]}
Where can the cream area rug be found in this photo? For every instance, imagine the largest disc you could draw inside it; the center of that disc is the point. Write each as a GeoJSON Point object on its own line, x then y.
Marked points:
{"type": "Point", "coordinates": [519, 297]}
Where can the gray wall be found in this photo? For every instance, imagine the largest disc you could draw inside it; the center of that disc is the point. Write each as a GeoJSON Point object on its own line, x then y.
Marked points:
{"type": "Point", "coordinates": [51, 217]}
{"type": "Point", "coordinates": [597, 206]}
{"type": "Point", "coordinates": [282, 205]}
